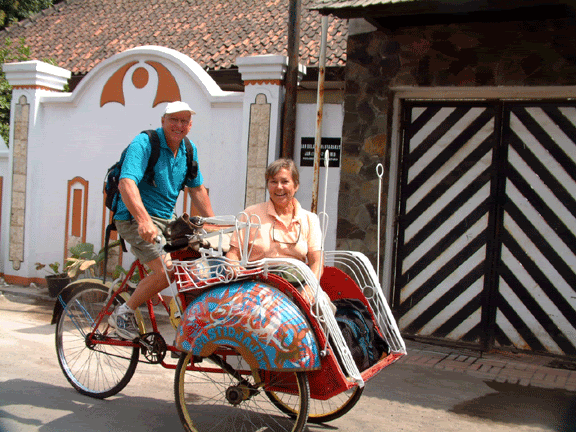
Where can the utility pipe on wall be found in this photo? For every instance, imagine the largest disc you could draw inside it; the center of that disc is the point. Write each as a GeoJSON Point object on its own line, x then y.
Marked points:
{"type": "Point", "coordinates": [319, 113]}
{"type": "Point", "coordinates": [289, 118]}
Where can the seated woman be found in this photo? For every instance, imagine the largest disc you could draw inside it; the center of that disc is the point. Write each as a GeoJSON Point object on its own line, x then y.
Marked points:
{"type": "Point", "coordinates": [287, 230]}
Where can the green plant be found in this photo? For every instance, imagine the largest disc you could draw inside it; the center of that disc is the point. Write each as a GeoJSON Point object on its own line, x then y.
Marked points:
{"type": "Point", "coordinates": [120, 271]}
{"type": "Point", "coordinates": [53, 268]}
{"type": "Point", "coordinates": [83, 258]}
{"type": "Point", "coordinates": [9, 53]}
{"type": "Point", "coordinates": [12, 11]}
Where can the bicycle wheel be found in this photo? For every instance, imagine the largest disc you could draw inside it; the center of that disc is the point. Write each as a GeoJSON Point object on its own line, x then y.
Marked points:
{"type": "Point", "coordinates": [321, 411]}
{"type": "Point", "coordinates": [221, 400]}
{"type": "Point", "coordinates": [99, 371]}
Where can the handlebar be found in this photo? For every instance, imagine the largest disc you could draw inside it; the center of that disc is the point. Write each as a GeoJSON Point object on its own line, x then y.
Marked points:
{"type": "Point", "coordinates": [209, 233]}
{"type": "Point", "coordinates": [176, 244]}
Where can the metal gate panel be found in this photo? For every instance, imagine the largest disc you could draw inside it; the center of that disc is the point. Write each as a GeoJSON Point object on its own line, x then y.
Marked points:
{"type": "Point", "coordinates": [444, 216]}
{"type": "Point", "coordinates": [536, 301]}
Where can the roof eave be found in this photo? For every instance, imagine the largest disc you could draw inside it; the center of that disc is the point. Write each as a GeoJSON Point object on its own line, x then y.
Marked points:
{"type": "Point", "coordinates": [430, 7]}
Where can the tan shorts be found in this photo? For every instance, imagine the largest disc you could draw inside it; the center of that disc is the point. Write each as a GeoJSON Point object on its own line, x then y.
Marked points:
{"type": "Point", "coordinates": [141, 249]}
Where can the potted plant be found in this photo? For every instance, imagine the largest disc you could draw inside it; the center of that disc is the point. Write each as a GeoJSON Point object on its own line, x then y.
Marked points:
{"type": "Point", "coordinates": [56, 280]}
{"type": "Point", "coordinates": [83, 259]}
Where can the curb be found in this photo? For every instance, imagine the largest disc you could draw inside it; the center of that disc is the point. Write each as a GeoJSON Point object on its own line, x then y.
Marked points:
{"type": "Point", "coordinates": [32, 291]}
{"type": "Point", "coordinates": [522, 369]}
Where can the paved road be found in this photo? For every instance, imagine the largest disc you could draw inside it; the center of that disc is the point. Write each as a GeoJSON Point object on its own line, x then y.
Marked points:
{"type": "Point", "coordinates": [35, 396]}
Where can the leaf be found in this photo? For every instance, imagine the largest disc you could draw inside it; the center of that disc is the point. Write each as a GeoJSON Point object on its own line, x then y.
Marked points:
{"type": "Point", "coordinates": [101, 254]}
{"type": "Point", "coordinates": [73, 269]}
{"type": "Point", "coordinates": [87, 264]}
{"type": "Point", "coordinates": [118, 271]}
{"type": "Point", "coordinates": [82, 250]}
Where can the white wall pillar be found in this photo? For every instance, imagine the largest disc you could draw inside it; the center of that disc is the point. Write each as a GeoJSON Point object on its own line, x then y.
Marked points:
{"type": "Point", "coordinates": [264, 93]}
{"type": "Point", "coordinates": [4, 206]}
{"type": "Point", "coordinates": [30, 80]}
{"type": "Point", "coordinates": [35, 74]}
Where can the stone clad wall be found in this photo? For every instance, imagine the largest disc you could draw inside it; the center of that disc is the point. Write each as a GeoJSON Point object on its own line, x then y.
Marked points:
{"type": "Point", "coordinates": [18, 205]}
{"type": "Point", "coordinates": [522, 53]}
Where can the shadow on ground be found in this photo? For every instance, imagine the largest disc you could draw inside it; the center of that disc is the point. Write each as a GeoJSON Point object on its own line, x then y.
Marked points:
{"type": "Point", "coordinates": [75, 412]}
{"type": "Point", "coordinates": [513, 403]}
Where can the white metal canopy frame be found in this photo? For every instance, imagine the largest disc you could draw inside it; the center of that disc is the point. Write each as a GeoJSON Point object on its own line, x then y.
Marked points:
{"type": "Point", "coordinates": [213, 268]}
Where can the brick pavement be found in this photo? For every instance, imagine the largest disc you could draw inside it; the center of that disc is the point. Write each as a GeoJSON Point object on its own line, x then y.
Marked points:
{"type": "Point", "coordinates": [522, 369]}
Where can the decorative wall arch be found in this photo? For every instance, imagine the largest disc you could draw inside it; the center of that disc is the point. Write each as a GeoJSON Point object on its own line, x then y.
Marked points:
{"type": "Point", "coordinates": [76, 213]}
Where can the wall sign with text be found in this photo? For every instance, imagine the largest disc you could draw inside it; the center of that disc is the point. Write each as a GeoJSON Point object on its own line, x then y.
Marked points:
{"type": "Point", "coordinates": [333, 145]}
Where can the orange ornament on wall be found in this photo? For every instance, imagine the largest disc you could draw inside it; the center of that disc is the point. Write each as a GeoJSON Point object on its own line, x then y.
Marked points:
{"type": "Point", "coordinates": [167, 91]}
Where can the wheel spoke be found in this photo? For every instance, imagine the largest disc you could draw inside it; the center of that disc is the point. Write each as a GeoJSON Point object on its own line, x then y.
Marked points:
{"type": "Point", "coordinates": [97, 370]}
{"type": "Point", "coordinates": [321, 411]}
{"type": "Point", "coordinates": [216, 401]}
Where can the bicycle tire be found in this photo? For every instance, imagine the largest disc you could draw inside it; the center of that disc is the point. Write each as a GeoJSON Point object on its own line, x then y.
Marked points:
{"type": "Point", "coordinates": [204, 401]}
{"type": "Point", "coordinates": [100, 371]}
{"type": "Point", "coordinates": [321, 411]}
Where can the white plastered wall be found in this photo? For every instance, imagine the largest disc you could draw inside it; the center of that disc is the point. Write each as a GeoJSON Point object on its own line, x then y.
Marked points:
{"type": "Point", "coordinates": [332, 119]}
{"type": "Point", "coordinates": [72, 135]}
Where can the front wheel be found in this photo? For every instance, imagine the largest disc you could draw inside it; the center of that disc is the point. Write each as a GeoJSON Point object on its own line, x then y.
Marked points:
{"type": "Point", "coordinates": [220, 393]}
{"type": "Point", "coordinates": [99, 370]}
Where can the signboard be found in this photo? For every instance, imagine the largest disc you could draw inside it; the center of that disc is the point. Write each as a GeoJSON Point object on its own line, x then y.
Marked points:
{"type": "Point", "coordinates": [333, 145]}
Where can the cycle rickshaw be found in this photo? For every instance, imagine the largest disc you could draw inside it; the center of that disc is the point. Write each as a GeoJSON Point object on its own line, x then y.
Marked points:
{"type": "Point", "coordinates": [254, 354]}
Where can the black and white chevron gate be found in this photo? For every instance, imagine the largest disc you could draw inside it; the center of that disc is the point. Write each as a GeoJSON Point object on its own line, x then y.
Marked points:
{"type": "Point", "coordinates": [486, 250]}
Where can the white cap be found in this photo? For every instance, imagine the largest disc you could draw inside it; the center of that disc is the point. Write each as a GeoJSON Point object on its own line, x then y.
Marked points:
{"type": "Point", "coordinates": [174, 107]}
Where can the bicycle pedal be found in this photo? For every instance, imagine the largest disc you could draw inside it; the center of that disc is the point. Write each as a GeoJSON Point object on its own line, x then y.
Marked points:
{"type": "Point", "coordinates": [113, 334]}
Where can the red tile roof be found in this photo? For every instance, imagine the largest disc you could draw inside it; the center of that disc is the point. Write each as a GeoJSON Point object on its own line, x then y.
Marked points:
{"type": "Point", "coordinates": [78, 34]}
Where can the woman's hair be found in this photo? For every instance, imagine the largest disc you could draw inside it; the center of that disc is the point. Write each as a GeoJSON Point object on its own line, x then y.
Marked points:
{"type": "Point", "coordinates": [279, 164]}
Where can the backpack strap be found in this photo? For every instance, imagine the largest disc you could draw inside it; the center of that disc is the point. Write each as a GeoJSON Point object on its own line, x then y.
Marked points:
{"type": "Point", "coordinates": [111, 227]}
{"type": "Point", "coordinates": [191, 164]}
{"type": "Point", "coordinates": [148, 177]}
{"type": "Point", "coordinates": [154, 155]}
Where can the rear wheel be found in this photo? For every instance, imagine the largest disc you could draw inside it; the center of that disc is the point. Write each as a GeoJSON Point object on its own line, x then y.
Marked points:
{"type": "Point", "coordinates": [95, 370]}
{"type": "Point", "coordinates": [321, 411]}
{"type": "Point", "coordinates": [223, 400]}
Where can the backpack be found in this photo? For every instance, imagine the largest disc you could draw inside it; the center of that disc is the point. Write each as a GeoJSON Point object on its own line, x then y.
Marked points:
{"type": "Point", "coordinates": [357, 327]}
{"type": "Point", "coordinates": [112, 178]}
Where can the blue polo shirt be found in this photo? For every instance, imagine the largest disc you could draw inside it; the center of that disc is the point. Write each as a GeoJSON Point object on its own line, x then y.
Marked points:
{"type": "Point", "coordinates": [169, 173]}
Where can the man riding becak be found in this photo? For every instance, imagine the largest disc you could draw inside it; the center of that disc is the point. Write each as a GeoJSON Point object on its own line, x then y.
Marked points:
{"type": "Point", "coordinates": [147, 208]}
